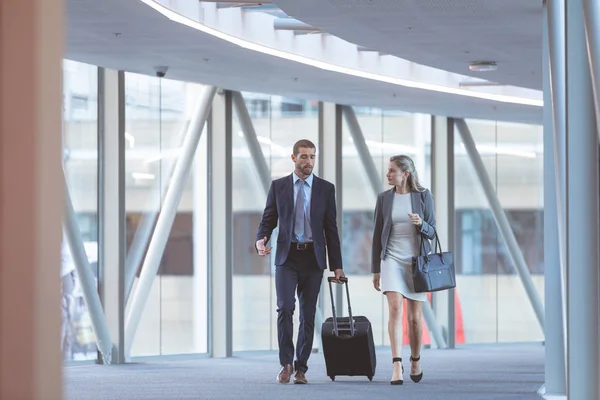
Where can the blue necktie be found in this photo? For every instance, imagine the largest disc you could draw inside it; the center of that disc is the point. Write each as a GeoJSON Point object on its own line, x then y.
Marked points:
{"type": "Point", "coordinates": [299, 214]}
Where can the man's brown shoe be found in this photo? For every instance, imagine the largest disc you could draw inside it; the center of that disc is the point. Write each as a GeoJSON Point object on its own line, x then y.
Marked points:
{"type": "Point", "coordinates": [286, 372]}
{"type": "Point", "coordinates": [300, 378]}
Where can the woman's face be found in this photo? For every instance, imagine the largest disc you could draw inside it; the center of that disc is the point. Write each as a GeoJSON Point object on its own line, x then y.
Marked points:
{"type": "Point", "coordinates": [395, 176]}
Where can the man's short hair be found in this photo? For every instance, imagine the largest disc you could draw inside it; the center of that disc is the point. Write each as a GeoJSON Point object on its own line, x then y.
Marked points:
{"type": "Point", "coordinates": [303, 143]}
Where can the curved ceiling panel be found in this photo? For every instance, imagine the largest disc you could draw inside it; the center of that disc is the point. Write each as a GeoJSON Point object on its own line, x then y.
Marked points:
{"type": "Point", "coordinates": [130, 35]}
{"type": "Point", "coordinates": [444, 34]}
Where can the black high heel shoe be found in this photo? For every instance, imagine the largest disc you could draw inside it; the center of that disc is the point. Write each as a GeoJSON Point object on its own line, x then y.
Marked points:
{"type": "Point", "coordinates": [416, 378]}
{"type": "Point", "coordinates": [398, 381]}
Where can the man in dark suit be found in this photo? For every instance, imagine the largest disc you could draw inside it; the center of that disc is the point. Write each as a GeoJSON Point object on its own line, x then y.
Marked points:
{"type": "Point", "coordinates": [304, 206]}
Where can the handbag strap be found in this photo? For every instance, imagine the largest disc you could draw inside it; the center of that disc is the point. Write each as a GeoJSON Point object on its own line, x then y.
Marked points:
{"type": "Point", "coordinates": [437, 239]}
{"type": "Point", "coordinates": [437, 245]}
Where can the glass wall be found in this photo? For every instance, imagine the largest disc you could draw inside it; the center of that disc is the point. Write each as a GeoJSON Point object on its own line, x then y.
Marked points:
{"type": "Point", "coordinates": [493, 305]}
{"type": "Point", "coordinates": [80, 164]}
{"type": "Point", "coordinates": [386, 133]}
{"type": "Point", "coordinates": [278, 122]}
{"type": "Point", "coordinates": [158, 113]}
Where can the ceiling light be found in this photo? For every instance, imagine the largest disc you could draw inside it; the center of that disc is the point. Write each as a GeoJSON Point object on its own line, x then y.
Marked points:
{"type": "Point", "coordinates": [246, 44]}
{"type": "Point", "coordinates": [483, 66]}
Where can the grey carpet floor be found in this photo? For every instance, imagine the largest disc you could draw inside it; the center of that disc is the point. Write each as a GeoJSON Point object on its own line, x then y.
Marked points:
{"type": "Point", "coordinates": [499, 372]}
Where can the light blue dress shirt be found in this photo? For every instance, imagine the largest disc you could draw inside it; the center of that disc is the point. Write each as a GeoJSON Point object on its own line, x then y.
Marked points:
{"type": "Point", "coordinates": [307, 195]}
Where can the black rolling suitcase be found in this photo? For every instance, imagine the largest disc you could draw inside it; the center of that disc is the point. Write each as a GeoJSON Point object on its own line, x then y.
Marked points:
{"type": "Point", "coordinates": [348, 348]}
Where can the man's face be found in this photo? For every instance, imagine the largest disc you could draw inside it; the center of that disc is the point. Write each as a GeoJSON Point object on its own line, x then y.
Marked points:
{"type": "Point", "coordinates": [304, 161]}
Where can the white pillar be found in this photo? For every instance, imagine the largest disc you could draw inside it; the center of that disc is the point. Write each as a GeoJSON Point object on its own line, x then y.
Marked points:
{"type": "Point", "coordinates": [111, 257]}
{"type": "Point", "coordinates": [442, 187]}
{"type": "Point", "coordinates": [200, 216]}
{"type": "Point", "coordinates": [555, 374]}
{"type": "Point", "coordinates": [31, 50]}
{"type": "Point", "coordinates": [582, 214]}
{"type": "Point", "coordinates": [220, 224]}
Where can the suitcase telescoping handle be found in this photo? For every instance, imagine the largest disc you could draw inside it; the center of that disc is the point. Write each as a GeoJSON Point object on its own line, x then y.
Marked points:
{"type": "Point", "coordinates": [344, 280]}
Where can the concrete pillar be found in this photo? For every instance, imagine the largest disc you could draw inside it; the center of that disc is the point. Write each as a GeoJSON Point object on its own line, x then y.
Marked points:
{"type": "Point", "coordinates": [31, 49]}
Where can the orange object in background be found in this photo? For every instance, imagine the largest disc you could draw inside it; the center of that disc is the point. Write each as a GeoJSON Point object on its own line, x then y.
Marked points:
{"type": "Point", "coordinates": [426, 339]}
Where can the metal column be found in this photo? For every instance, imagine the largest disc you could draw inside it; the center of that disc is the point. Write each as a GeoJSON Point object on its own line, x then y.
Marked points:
{"type": "Point", "coordinates": [220, 257]}
{"type": "Point", "coordinates": [557, 65]}
{"type": "Point", "coordinates": [501, 220]}
{"type": "Point", "coordinates": [86, 278]}
{"type": "Point", "coordinates": [442, 165]}
{"type": "Point", "coordinates": [451, 229]}
{"type": "Point", "coordinates": [582, 214]}
{"type": "Point", "coordinates": [111, 205]}
{"type": "Point", "coordinates": [555, 376]}
{"type": "Point", "coordinates": [167, 216]}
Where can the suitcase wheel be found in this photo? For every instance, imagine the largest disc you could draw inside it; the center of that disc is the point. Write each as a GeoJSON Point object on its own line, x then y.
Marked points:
{"type": "Point", "coordinates": [332, 377]}
{"type": "Point", "coordinates": [370, 378]}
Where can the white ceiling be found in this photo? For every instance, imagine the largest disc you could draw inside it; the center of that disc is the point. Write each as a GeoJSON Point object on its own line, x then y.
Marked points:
{"type": "Point", "coordinates": [147, 39]}
{"type": "Point", "coordinates": [444, 34]}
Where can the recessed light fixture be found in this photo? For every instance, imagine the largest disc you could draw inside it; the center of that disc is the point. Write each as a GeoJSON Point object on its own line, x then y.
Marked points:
{"type": "Point", "coordinates": [483, 66]}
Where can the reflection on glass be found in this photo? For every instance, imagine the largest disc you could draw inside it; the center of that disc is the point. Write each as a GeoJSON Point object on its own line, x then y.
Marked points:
{"type": "Point", "coordinates": [158, 114]}
{"type": "Point", "coordinates": [493, 304]}
{"type": "Point", "coordinates": [80, 164]}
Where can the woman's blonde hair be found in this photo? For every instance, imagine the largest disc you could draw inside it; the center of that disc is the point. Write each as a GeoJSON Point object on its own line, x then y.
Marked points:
{"type": "Point", "coordinates": [406, 164]}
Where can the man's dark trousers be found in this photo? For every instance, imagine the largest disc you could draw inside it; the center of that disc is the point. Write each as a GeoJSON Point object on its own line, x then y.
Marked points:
{"type": "Point", "coordinates": [300, 271]}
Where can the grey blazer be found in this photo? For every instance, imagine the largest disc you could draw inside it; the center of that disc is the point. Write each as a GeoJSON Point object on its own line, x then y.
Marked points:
{"type": "Point", "coordinates": [422, 204]}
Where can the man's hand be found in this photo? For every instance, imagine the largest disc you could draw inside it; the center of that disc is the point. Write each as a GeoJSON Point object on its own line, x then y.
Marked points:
{"type": "Point", "coordinates": [376, 282]}
{"type": "Point", "coordinates": [262, 249]}
{"type": "Point", "coordinates": [337, 274]}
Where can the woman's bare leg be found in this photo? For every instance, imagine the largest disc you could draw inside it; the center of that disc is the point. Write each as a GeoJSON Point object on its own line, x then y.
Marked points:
{"type": "Point", "coordinates": [415, 332]}
{"type": "Point", "coordinates": [395, 329]}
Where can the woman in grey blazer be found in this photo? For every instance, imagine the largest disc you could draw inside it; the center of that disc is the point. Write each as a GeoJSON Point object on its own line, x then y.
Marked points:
{"type": "Point", "coordinates": [404, 219]}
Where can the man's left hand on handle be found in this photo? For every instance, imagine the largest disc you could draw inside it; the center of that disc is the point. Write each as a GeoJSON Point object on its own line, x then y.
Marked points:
{"type": "Point", "coordinates": [337, 274]}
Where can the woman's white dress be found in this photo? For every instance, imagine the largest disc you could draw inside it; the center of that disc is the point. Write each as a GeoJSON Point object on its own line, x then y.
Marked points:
{"type": "Point", "coordinates": [396, 267]}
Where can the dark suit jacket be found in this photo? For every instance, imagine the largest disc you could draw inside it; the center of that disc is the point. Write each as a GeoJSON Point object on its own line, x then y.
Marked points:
{"type": "Point", "coordinates": [422, 204]}
{"type": "Point", "coordinates": [280, 208]}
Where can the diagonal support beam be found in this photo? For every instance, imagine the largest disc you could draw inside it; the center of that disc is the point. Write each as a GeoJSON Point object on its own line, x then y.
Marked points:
{"type": "Point", "coordinates": [146, 226]}
{"type": "Point", "coordinates": [167, 216]}
{"type": "Point", "coordinates": [86, 278]}
{"type": "Point", "coordinates": [501, 220]}
{"type": "Point", "coordinates": [363, 151]}
{"type": "Point", "coordinates": [256, 153]}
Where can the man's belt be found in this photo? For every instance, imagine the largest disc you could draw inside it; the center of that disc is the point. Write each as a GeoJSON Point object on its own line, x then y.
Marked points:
{"type": "Point", "coordinates": [303, 246]}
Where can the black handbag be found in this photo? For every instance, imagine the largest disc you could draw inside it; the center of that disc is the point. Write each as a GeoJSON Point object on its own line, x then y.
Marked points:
{"type": "Point", "coordinates": [433, 272]}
